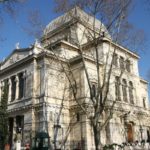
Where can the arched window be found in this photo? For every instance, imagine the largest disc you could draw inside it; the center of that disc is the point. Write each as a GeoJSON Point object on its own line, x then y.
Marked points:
{"type": "Point", "coordinates": [124, 90]}
{"type": "Point", "coordinates": [115, 60]}
{"type": "Point", "coordinates": [93, 90]}
{"type": "Point", "coordinates": [13, 88]}
{"type": "Point", "coordinates": [121, 61]}
{"type": "Point", "coordinates": [131, 92]}
{"type": "Point", "coordinates": [117, 88]}
{"type": "Point", "coordinates": [144, 102]}
{"type": "Point", "coordinates": [128, 64]}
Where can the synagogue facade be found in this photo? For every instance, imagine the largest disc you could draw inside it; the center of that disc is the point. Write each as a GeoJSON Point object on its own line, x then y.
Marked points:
{"type": "Point", "coordinates": [40, 96]}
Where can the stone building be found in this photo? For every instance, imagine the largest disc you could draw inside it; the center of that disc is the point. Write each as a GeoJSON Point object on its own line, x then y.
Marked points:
{"type": "Point", "coordinates": [40, 97]}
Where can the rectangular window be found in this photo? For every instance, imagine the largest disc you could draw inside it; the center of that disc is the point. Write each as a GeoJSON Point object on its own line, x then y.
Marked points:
{"type": "Point", "coordinates": [21, 85]}
{"type": "Point", "coordinates": [13, 88]}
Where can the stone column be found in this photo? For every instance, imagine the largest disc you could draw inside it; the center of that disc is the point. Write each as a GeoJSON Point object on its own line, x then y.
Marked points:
{"type": "Point", "coordinates": [17, 87]}
{"type": "Point", "coordinates": [24, 79]}
{"type": "Point", "coordinates": [9, 91]}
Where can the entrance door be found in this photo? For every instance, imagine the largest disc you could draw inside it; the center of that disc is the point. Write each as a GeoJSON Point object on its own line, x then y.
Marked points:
{"type": "Point", "coordinates": [130, 133]}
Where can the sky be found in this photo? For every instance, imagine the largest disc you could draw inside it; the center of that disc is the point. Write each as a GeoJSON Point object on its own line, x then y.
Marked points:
{"type": "Point", "coordinates": [13, 29]}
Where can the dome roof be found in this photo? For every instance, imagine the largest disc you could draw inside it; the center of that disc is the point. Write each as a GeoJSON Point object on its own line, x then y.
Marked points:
{"type": "Point", "coordinates": [75, 13]}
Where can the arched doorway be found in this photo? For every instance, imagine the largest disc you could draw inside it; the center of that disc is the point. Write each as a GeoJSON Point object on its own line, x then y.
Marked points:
{"type": "Point", "coordinates": [130, 132]}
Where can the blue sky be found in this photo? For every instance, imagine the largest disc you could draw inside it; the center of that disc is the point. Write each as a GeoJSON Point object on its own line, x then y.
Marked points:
{"type": "Point", "coordinates": [13, 29]}
{"type": "Point", "coordinates": [140, 17]}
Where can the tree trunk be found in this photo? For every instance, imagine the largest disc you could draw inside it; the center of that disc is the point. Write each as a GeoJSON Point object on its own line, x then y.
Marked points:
{"type": "Point", "coordinates": [96, 137]}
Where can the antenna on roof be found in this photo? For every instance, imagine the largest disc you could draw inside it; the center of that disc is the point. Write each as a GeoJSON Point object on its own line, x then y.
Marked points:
{"type": "Point", "coordinates": [17, 45]}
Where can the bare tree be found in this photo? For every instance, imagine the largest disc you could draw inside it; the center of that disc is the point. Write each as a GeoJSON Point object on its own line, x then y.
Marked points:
{"type": "Point", "coordinates": [114, 15]}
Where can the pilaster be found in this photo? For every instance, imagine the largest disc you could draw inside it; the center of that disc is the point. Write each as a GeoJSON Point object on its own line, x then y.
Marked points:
{"type": "Point", "coordinates": [34, 81]}
{"type": "Point", "coordinates": [24, 77]}
{"type": "Point", "coordinates": [34, 86]}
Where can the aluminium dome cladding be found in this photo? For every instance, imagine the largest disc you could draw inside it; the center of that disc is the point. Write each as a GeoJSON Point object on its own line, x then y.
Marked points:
{"type": "Point", "coordinates": [79, 14]}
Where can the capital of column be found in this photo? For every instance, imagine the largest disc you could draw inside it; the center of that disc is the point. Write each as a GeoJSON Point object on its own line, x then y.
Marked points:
{"type": "Point", "coordinates": [24, 74]}
{"type": "Point", "coordinates": [16, 78]}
